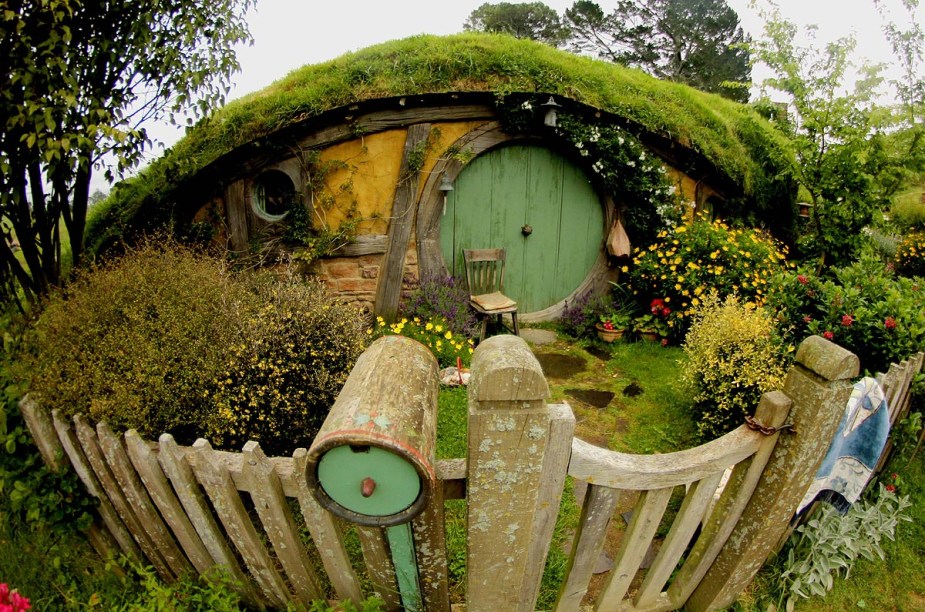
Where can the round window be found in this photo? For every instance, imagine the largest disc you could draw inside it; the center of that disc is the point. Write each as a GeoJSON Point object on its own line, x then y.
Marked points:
{"type": "Point", "coordinates": [272, 195]}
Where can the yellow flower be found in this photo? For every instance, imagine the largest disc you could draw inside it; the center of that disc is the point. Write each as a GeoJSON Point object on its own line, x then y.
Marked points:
{"type": "Point", "coordinates": [438, 329]}
{"type": "Point", "coordinates": [625, 269]}
{"type": "Point", "coordinates": [448, 335]}
{"type": "Point", "coordinates": [429, 326]}
{"type": "Point", "coordinates": [680, 230]}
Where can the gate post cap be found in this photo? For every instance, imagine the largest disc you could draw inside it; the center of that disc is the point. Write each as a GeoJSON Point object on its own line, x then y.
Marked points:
{"type": "Point", "coordinates": [505, 369]}
{"type": "Point", "coordinates": [827, 359]}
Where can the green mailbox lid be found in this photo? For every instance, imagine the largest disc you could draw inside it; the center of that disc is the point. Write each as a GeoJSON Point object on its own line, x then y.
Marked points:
{"type": "Point", "coordinates": [342, 471]}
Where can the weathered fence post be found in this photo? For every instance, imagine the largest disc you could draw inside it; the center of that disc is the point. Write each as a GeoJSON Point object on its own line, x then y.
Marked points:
{"type": "Point", "coordinates": [372, 463]}
{"type": "Point", "coordinates": [819, 384]}
{"type": "Point", "coordinates": [518, 457]}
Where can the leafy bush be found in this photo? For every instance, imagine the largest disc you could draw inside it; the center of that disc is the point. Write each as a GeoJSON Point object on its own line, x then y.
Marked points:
{"type": "Point", "coordinates": [167, 339]}
{"type": "Point", "coordinates": [910, 255]}
{"type": "Point", "coordinates": [908, 210]}
{"type": "Point", "coordinates": [435, 334]}
{"type": "Point", "coordinates": [690, 260]}
{"type": "Point", "coordinates": [830, 543]}
{"type": "Point", "coordinates": [863, 308]}
{"type": "Point", "coordinates": [733, 357]}
{"type": "Point", "coordinates": [443, 298]}
{"type": "Point", "coordinates": [286, 368]}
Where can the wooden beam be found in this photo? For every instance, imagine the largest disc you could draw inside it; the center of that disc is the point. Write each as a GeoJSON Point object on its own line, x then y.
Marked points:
{"type": "Point", "coordinates": [388, 291]}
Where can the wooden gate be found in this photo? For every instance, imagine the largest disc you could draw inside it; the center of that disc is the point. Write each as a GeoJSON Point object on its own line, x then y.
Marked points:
{"type": "Point", "coordinates": [191, 508]}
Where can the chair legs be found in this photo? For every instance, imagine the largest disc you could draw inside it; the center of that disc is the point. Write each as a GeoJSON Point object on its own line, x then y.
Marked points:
{"type": "Point", "coordinates": [485, 319]}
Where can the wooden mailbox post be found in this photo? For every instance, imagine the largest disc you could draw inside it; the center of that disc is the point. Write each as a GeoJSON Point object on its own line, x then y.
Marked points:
{"type": "Point", "coordinates": [372, 462]}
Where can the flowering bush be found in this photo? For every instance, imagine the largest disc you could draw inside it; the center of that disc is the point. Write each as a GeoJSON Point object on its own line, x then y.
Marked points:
{"type": "Point", "coordinates": [733, 357]}
{"type": "Point", "coordinates": [690, 260]}
{"type": "Point", "coordinates": [444, 298]}
{"type": "Point", "coordinates": [168, 340]}
{"type": "Point", "coordinates": [910, 256]}
{"type": "Point", "coordinates": [435, 334]}
{"type": "Point", "coordinates": [285, 369]}
{"type": "Point", "coordinates": [12, 601]}
{"type": "Point", "coordinates": [864, 308]}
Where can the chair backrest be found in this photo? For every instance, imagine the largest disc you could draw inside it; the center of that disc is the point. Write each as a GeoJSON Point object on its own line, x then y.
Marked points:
{"type": "Point", "coordinates": [484, 270]}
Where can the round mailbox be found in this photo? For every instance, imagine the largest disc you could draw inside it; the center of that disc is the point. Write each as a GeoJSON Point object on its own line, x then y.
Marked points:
{"type": "Point", "coordinates": [372, 462]}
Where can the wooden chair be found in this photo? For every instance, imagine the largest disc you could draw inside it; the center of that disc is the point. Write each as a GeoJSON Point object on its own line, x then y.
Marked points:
{"type": "Point", "coordinates": [485, 277]}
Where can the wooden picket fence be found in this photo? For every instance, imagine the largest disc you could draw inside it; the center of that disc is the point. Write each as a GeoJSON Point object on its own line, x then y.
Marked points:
{"type": "Point", "coordinates": [185, 509]}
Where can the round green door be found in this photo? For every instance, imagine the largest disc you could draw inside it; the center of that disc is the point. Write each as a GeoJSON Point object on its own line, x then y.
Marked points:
{"type": "Point", "coordinates": [537, 206]}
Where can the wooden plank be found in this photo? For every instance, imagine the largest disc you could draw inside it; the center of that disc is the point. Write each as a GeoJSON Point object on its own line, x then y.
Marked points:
{"type": "Point", "coordinates": [388, 290]}
{"type": "Point", "coordinates": [112, 489]}
{"type": "Point", "coordinates": [555, 467]}
{"type": "Point", "coordinates": [236, 211]}
{"type": "Point", "coordinates": [364, 244]}
{"type": "Point", "coordinates": [279, 525]}
{"type": "Point", "coordinates": [152, 475]}
{"type": "Point", "coordinates": [636, 541]}
{"type": "Point", "coordinates": [452, 473]}
{"type": "Point", "coordinates": [137, 497]}
{"type": "Point", "coordinates": [327, 536]}
{"type": "Point", "coordinates": [227, 503]}
{"type": "Point", "coordinates": [379, 565]}
{"type": "Point", "coordinates": [599, 506]}
{"type": "Point", "coordinates": [82, 467]}
{"type": "Point", "coordinates": [682, 530]}
{"type": "Point", "coordinates": [174, 463]}
{"type": "Point", "coordinates": [773, 410]}
{"type": "Point", "coordinates": [429, 531]}
{"type": "Point", "coordinates": [643, 472]}
{"type": "Point", "coordinates": [43, 432]}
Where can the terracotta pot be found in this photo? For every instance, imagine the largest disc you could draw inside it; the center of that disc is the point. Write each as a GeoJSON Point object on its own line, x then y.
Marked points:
{"type": "Point", "coordinates": [608, 335]}
{"type": "Point", "coordinates": [649, 336]}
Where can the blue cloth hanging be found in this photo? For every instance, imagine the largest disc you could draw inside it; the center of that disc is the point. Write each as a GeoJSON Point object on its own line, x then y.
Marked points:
{"type": "Point", "coordinates": [855, 451]}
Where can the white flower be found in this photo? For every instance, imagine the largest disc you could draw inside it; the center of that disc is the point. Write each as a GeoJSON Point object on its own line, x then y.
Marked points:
{"type": "Point", "coordinates": [584, 152]}
{"type": "Point", "coordinates": [579, 145]}
{"type": "Point", "coordinates": [620, 140]}
{"type": "Point", "coordinates": [631, 164]}
{"type": "Point", "coordinates": [672, 190]}
{"type": "Point", "coordinates": [642, 156]}
{"type": "Point", "coordinates": [526, 105]}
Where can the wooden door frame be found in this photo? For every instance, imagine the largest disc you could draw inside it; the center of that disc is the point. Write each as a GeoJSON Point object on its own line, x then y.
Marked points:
{"type": "Point", "coordinates": [480, 140]}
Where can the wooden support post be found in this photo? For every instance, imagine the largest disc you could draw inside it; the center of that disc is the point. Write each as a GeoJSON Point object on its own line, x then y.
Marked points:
{"type": "Point", "coordinates": [388, 290]}
{"type": "Point", "coordinates": [819, 385]}
{"type": "Point", "coordinates": [513, 439]}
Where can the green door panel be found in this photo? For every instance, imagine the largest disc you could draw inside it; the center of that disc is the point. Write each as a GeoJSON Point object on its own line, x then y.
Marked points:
{"type": "Point", "coordinates": [500, 192]}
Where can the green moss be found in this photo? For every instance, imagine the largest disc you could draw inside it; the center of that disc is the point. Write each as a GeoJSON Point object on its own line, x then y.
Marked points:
{"type": "Point", "coordinates": [740, 144]}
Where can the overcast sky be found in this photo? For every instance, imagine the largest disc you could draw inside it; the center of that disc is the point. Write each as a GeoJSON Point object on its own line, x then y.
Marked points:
{"type": "Point", "coordinates": [292, 33]}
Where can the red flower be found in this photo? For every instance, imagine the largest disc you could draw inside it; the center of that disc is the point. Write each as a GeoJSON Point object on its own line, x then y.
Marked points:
{"type": "Point", "coordinates": [666, 311]}
{"type": "Point", "coordinates": [889, 323]}
{"type": "Point", "coordinates": [807, 319]}
{"type": "Point", "coordinates": [657, 305]}
{"type": "Point", "coordinates": [828, 335]}
{"type": "Point", "coordinates": [608, 326]}
{"type": "Point", "coordinates": [664, 341]}
{"type": "Point", "coordinates": [803, 280]}
{"type": "Point", "coordinates": [891, 488]}
{"type": "Point", "coordinates": [894, 476]}
{"type": "Point", "coordinates": [847, 320]}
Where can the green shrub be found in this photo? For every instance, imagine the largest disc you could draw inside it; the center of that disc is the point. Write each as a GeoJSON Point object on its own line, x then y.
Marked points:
{"type": "Point", "coordinates": [863, 307]}
{"type": "Point", "coordinates": [910, 255]}
{"type": "Point", "coordinates": [908, 210]}
{"type": "Point", "coordinates": [285, 370]}
{"type": "Point", "coordinates": [138, 343]}
{"type": "Point", "coordinates": [733, 357]}
{"type": "Point", "coordinates": [690, 260]}
{"type": "Point", "coordinates": [167, 339]}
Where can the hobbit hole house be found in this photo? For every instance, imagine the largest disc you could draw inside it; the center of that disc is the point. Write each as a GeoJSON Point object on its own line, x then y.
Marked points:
{"type": "Point", "coordinates": [378, 168]}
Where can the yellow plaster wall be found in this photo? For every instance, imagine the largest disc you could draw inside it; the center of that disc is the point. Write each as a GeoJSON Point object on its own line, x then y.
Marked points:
{"type": "Point", "coordinates": [371, 174]}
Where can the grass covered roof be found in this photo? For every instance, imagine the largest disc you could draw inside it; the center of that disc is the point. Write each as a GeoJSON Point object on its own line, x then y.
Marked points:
{"type": "Point", "coordinates": [733, 137]}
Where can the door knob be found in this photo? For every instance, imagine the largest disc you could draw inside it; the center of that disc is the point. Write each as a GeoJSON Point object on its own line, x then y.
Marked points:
{"type": "Point", "coordinates": [526, 230]}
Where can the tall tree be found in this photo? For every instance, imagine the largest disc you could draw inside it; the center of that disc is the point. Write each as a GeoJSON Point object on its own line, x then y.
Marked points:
{"type": "Point", "coordinates": [846, 156]}
{"type": "Point", "coordinates": [81, 79]}
{"type": "Point", "coordinates": [531, 20]}
{"type": "Point", "coordinates": [697, 42]}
